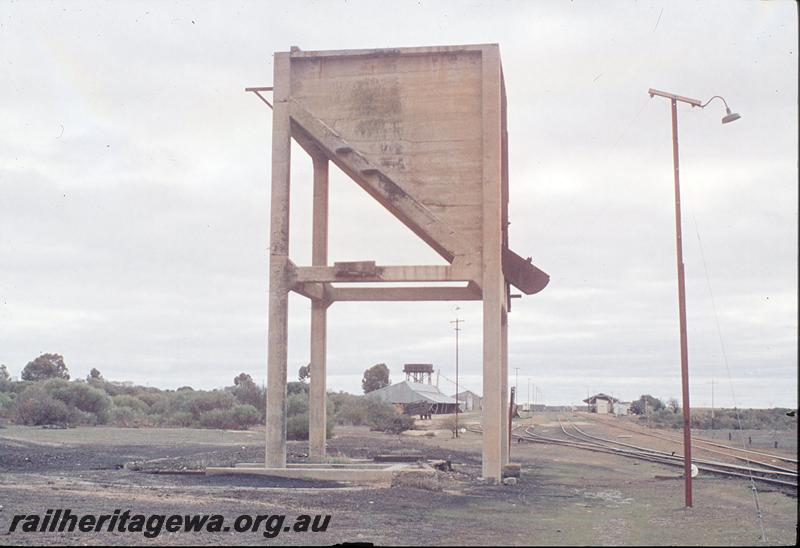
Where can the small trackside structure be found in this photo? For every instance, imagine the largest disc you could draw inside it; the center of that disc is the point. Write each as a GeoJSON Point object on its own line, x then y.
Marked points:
{"type": "Point", "coordinates": [601, 404]}
{"type": "Point", "coordinates": [423, 131]}
{"type": "Point", "coordinates": [470, 401]}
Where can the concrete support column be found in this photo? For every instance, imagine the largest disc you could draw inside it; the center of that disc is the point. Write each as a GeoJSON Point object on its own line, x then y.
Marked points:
{"type": "Point", "coordinates": [277, 339]}
{"type": "Point", "coordinates": [317, 416]}
{"type": "Point", "coordinates": [493, 414]}
{"type": "Point", "coordinates": [505, 449]}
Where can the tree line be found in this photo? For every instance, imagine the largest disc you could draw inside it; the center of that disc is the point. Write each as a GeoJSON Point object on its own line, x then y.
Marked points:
{"type": "Point", "coordinates": [45, 395]}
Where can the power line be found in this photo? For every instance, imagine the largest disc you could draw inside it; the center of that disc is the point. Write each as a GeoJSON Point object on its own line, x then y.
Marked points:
{"type": "Point", "coordinates": [759, 514]}
{"type": "Point", "coordinates": [451, 381]}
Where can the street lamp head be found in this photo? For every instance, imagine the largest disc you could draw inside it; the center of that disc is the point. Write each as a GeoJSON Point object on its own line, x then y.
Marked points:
{"type": "Point", "coordinates": [730, 117]}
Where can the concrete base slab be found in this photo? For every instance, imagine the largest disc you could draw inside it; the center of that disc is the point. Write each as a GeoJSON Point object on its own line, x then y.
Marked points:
{"type": "Point", "coordinates": [346, 465]}
{"type": "Point", "coordinates": [353, 473]}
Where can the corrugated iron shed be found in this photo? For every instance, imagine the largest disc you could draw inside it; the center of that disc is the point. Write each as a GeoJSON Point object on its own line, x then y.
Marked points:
{"type": "Point", "coordinates": [411, 392]}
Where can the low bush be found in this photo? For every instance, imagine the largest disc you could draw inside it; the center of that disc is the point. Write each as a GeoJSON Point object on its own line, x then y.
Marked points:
{"type": "Point", "coordinates": [394, 425]}
{"type": "Point", "coordinates": [91, 402]}
{"type": "Point", "coordinates": [36, 407]}
{"type": "Point", "coordinates": [297, 427]}
{"type": "Point", "coordinates": [726, 419]}
{"type": "Point", "coordinates": [240, 417]}
{"type": "Point", "coordinates": [126, 416]}
{"type": "Point", "coordinates": [199, 403]}
{"type": "Point", "coordinates": [180, 419]}
{"type": "Point", "coordinates": [150, 396]}
{"type": "Point", "coordinates": [383, 416]}
{"type": "Point", "coordinates": [353, 410]}
{"type": "Point", "coordinates": [57, 401]}
{"type": "Point", "coordinates": [364, 411]}
{"type": "Point", "coordinates": [246, 415]}
{"type": "Point", "coordinates": [5, 401]}
{"type": "Point", "coordinates": [132, 402]}
{"type": "Point", "coordinates": [297, 416]}
{"type": "Point", "coordinates": [217, 418]}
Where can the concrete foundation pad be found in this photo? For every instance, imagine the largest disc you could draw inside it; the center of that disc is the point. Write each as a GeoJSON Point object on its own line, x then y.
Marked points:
{"type": "Point", "coordinates": [347, 465]}
{"type": "Point", "coordinates": [353, 473]}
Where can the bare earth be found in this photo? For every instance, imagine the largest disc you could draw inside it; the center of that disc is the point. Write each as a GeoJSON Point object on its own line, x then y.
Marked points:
{"type": "Point", "coordinates": [566, 496]}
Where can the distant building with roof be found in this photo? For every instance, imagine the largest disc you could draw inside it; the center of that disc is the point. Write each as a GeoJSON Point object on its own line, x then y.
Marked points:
{"type": "Point", "coordinates": [415, 398]}
{"type": "Point", "coordinates": [470, 400]}
{"type": "Point", "coordinates": [602, 404]}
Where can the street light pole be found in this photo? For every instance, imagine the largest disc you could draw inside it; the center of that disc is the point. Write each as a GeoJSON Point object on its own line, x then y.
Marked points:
{"type": "Point", "coordinates": [687, 430]}
{"type": "Point", "coordinates": [687, 425]}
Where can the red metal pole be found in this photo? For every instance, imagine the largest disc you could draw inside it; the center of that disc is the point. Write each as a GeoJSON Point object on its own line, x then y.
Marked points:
{"type": "Point", "coordinates": [687, 427]}
{"type": "Point", "coordinates": [510, 418]}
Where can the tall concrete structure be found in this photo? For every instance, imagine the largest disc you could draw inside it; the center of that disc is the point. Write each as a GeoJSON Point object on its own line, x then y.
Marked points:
{"type": "Point", "coordinates": [423, 131]}
{"type": "Point", "coordinates": [418, 372]}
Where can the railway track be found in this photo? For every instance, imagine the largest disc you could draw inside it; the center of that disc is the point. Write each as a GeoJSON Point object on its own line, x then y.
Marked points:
{"type": "Point", "coordinates": [581, 440]}
{"type": "Point", "coordinates": [780, 473]}
{"type": "Point", "coordinates": [701, 443]}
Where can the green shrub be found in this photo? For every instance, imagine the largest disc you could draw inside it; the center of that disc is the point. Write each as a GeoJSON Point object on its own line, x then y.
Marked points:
{"type": "Point", "coordinates": [240, 417]}
{"type": "Point", "coordinates": [295, 387]}
{"type": "Point", "coordinates": [5, 401]}
{"type": "Point", "coordinates": [150, 396]}
{"type": "Point", "coordinates": [726, 419]}
{"type": "Point", "coordinates": [353, 411]}
{"type": "Point", "coordinates": [199, 402]}
{"type": "Point", "coordinates": [132, 402]}
{"type": "Point", "coordinates": [246, 416]}
{"type": "Point", "coordinates": [297, 427]}
{"type": "Point", "coordinates": [87, 399]}
{"type": "Point", "coordinates": [394, 425]}
{"type": "Point", "coordinates": [5, 379]}
{"type": "Point", "coordinates": [36, 407]}
{"type": "Point", "coordinates": [218, 418]}
{"type": "Point", "coordinates": [379, 414]}
{"type": "Point", "coordinates": [19, 386]}
{"type": "Point", "coordinates": [57, 401]}
{"type": "Point", "coordinates": [180, 419]}
{"type": "Point", "coordinates": [297, 417]}
{"type": "Point", "coordinates": [247, 392]}
{"type": "Point", "coordinates": [168, 404]}
{"type": "Point", "coordinates": [126, 416]}
{"type": "Point", "coordinates": [297, 404]}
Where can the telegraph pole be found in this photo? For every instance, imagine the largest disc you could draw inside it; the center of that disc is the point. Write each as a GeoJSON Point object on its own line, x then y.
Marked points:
{"type": "Point", "coordinates": [712, 404]}
{"type": "Point", "coordinates": [530, 407]}
{"type": "Point", "coordinates": [457, 329]}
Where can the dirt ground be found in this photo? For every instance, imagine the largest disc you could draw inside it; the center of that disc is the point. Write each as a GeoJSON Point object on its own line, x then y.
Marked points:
{"type": "Point", "coordinates": [565, 496]}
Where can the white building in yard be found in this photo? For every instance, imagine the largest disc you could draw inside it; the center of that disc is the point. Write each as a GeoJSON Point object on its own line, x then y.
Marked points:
{"type": "Point", "coordinates": [471, 401]}
{"type": "Point", "coordinates": [601, 404]}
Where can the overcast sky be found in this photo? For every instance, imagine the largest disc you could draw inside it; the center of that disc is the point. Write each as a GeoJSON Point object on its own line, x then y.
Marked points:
{"type": "Point", "coordinates": [134, 194]}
